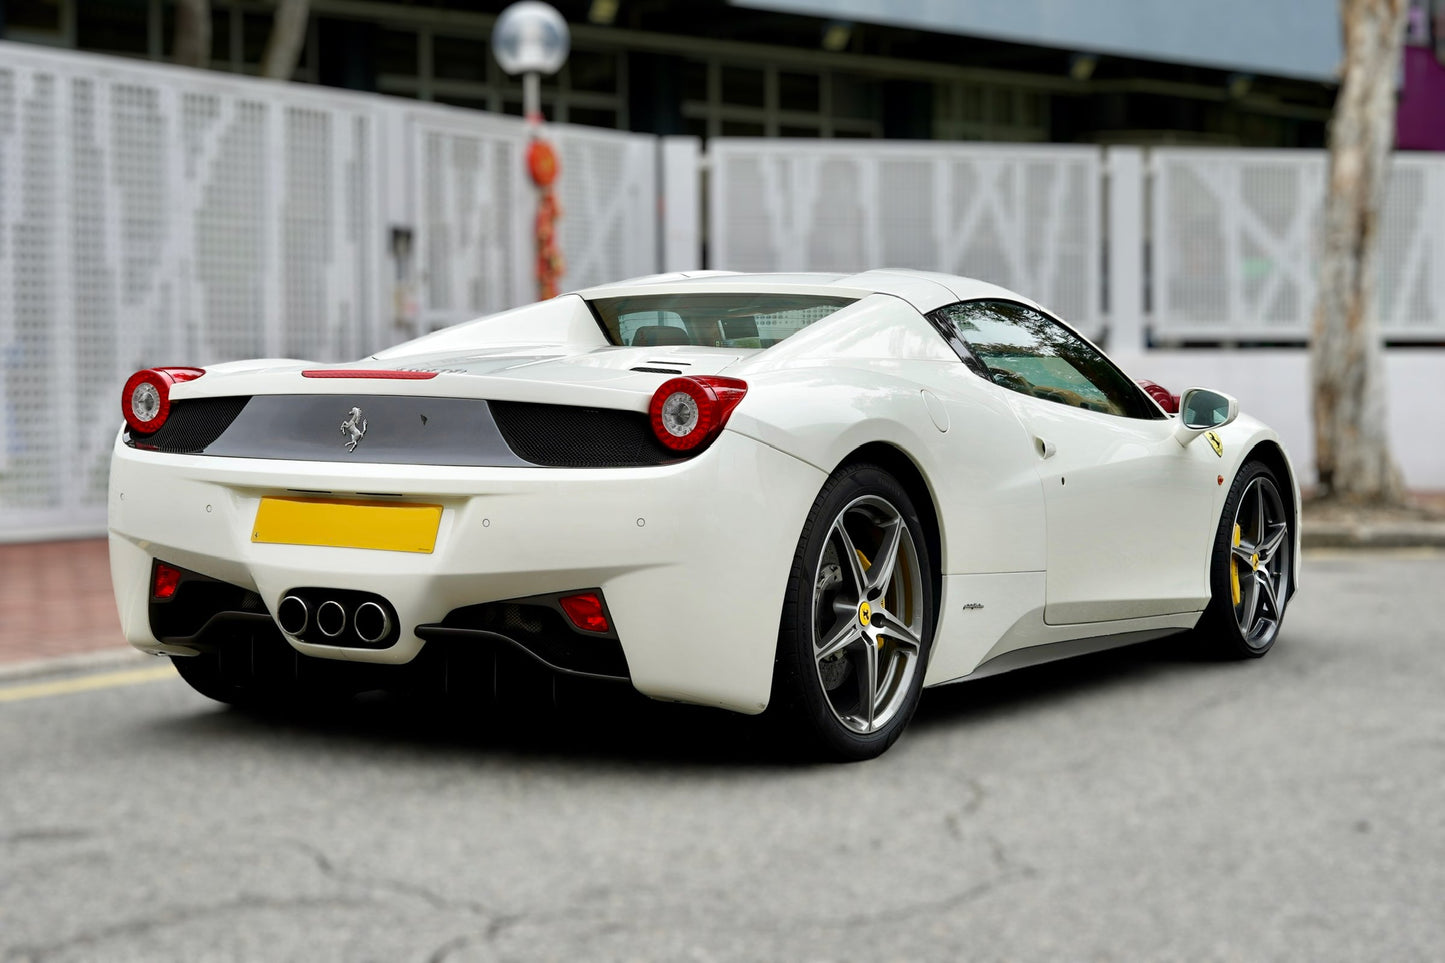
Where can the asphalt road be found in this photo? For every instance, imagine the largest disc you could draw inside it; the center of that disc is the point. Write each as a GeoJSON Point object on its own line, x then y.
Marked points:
{"type": "Point", "coordinates": [1137, 805]}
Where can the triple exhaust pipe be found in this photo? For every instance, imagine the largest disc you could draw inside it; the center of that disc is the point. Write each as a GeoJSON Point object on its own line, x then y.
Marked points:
{"type": "Point", "coordinates": [370, 621]}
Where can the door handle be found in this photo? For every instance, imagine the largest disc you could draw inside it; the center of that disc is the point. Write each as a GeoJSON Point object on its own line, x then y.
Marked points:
{"type": "Point", "coordinates": [1045, 449]}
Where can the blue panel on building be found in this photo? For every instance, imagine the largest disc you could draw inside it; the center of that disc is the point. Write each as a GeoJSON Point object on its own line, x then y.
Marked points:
{"type": "Point", "coordinates": [1282, 38]}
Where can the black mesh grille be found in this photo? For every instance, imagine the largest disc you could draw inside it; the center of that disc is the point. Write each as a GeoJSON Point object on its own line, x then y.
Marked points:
{"type": "Point", "coordinates": [192, 425]}
{"type": "Point", "coordinates": [563, 436]}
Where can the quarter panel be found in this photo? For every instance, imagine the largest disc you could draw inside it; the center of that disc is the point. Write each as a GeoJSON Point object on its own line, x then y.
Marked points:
{"type": "Point", "coordinates": [979, 470]}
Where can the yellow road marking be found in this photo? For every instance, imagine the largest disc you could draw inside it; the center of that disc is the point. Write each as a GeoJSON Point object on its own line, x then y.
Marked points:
{"type": "Point", "coordinates": [86, 683]}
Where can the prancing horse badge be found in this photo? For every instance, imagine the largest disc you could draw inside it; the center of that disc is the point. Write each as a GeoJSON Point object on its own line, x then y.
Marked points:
{"type": "Point", "coordinates": [1214, 441]}
{"type": "Point", "coordinates": [354, 428]}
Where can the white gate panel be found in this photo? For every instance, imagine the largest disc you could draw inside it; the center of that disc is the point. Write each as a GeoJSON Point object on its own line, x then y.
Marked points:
{"type": "Point", "coordinates": [608, 191]}
{"type": "Point", "coordinates": [474, 208]}
{"type": "Point", "coordinates": [470, 212]}
{"type": "Point", "coordinates": [1412, 250]}
{"type": "Point", "coordinates": [1236, 244]}
{"type": "Point", "coordinates": [1025, 217]}
{"type": "Point", "coordinates": [151, 215]}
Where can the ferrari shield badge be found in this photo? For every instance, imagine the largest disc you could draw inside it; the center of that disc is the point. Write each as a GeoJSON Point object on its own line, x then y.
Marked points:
{"type": "Point", "coordinates": [1214, 442]}
{"type": "Point", "coordinates": [354, 428]}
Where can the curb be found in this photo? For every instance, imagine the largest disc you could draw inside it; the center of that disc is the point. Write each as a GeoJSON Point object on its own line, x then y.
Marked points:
{"type": "Point", "coordinates": [1392, 535]}
{"type": "Point", "coordinates": [82, 664]}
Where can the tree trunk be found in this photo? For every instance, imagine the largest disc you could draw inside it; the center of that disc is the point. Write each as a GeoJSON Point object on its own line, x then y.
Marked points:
{"type": "Point", "coordinates": [193, 33]}
{"type": "Point", "coordinates": [1352, 449]}
{"type": "Point", "coordinates": [288, 33]}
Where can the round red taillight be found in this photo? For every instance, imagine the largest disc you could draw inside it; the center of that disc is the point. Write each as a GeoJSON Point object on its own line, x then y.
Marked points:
{"type": "Point", "coordinates": [687, 413]}
{"type": "Point", "coordinates": [145, 401]}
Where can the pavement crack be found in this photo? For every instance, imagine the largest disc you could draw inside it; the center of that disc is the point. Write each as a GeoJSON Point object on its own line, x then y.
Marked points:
{"type": "Point", "coordinates": [431, 897]}
{"type": "Point", "coordinates": [953, 821]}
{"type": "Point", "coordinates": [1005, 870]}
{"type": "Point", "coordinates": [1003, 862]}
{"type": "Point", "coordinates": [46, 834]}
{"type": "Point", "coordinates": [493, 931]}
{"type": "Point", "coordinates": [451, 946]}
{"type": "Point", "coordinates": [171, 916]}
{"type": "Point", "coordinates": [1191, 715]}
{"type": "Point", "coordinates": [503, 923]}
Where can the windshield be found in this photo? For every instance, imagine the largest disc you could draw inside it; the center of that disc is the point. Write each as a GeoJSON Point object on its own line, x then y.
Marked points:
{"type": "Point", "coordinates": [732, 320]}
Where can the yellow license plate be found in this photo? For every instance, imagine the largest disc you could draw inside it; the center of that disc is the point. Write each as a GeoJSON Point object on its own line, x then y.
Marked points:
{"type": "Point", "coordinates": [388, 526]}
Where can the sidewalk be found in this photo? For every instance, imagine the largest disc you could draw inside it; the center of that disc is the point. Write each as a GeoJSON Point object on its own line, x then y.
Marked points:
{"type": "Point", "coordinates": [1346, 528]}
{"type": "Point", "coordinates": [55, 597]}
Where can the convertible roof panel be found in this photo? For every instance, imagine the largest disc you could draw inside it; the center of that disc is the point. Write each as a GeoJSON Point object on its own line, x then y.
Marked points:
{"type": "Point", "coordinates": [924, 290]}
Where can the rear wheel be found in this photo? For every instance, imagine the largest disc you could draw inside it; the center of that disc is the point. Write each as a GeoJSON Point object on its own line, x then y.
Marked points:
{"type": "Point", "coordinates": [1252, 566]}
{"type": "Point", "coordinates": [858, 619]}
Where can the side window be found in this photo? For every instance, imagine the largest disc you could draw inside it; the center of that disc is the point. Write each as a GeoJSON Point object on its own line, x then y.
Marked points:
{"type": "Point", "coordinates": [1028, 352]}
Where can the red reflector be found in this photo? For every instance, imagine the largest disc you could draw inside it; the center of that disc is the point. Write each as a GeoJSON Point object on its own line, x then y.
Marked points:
{"type": "Point", "coordinates": [385, 374]}
{"type": "Point", "coordinates": [585, 611]}
{"type": "Point", "coordinates": [165, 581]}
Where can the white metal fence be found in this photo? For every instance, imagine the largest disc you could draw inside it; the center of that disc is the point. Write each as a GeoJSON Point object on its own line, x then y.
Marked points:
{"type": "Point", "coordinates": [151, 215]}
{"type": "Point", "coordinates": [471, 231]}
{"type": "Point", "coordinates": [1235, 242]}
{"type": "Point", "coordinates": [609, 196]}
{"type": "Point", "coordinates": [1026, 217]}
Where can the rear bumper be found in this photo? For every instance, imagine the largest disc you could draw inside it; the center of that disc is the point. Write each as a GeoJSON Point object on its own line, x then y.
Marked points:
{"type": "Point", "coordinates": [692, 558]}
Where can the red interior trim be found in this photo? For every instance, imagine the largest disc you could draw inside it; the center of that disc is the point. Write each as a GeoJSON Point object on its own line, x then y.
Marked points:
{"type": "Point", "coordinates": [384, 373]}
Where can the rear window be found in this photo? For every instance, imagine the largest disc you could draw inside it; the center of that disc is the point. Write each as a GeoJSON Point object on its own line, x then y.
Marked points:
{"type": "Point", "coordinates": [740, 320]}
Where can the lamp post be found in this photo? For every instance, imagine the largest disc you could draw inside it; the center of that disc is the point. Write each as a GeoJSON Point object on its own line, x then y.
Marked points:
{"type": "Point", "coordinates": [530, 38]}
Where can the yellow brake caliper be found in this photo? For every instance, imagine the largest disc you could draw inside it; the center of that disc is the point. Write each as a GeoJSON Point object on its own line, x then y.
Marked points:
{"type": "Point", "coordinates": [1234, 568]}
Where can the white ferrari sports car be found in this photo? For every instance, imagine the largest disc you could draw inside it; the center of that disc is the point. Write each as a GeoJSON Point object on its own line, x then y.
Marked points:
{"type": "Point", "coordinates": [810, 493]}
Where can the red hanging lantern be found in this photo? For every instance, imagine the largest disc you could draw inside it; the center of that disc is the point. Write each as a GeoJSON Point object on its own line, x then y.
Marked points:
{"type": "Point", "coordinates": [542, 163]}
{"type": "Point", "coordinates": [543, 167]}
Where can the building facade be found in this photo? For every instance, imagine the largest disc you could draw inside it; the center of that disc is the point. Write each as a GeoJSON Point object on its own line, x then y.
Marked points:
{"type": "Point", "coordinates": [1257, 73]}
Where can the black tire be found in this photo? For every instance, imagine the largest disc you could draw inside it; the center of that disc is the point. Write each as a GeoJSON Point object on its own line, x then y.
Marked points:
{"type": "Point", "coordinates": [823, 699]}
{"type": "Point", "coordinates": [1249, 583]}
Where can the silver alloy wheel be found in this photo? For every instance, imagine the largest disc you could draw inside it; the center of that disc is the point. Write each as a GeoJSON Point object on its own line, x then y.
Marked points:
{"type": "Point", "coordinates": [868, 614]}
{"type": "Point", "coordinates": [1259, 562]}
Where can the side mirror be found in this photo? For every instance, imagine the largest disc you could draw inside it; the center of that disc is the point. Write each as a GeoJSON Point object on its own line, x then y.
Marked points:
{"type": "Point", "coordinates": [1201, 410]}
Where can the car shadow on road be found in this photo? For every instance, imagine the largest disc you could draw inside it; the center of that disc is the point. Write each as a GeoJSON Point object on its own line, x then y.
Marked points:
{"type": "Point", "coordinates": [623, 728]}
